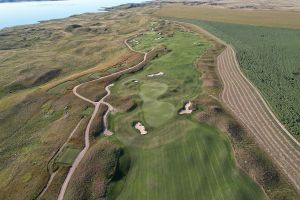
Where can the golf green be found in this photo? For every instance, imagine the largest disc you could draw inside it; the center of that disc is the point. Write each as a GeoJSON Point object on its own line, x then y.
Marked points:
{"type": "Point", "coordinates": [156, 112]}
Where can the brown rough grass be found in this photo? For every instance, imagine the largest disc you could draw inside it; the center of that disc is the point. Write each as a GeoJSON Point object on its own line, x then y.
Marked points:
{"type": "Point", "coordinates": [94, 173]}
{"type": "Point", "coordinates": [270, 18]}
{"type": "Point", "coordinates": [35, 123]}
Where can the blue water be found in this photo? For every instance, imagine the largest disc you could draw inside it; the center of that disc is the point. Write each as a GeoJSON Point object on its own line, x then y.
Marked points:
{"type": "Point", "coordinates": [12, 14]}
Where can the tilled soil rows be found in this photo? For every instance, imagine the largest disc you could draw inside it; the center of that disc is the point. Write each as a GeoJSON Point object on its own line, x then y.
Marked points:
{"type": "Point", "coordinates": [245, 102]}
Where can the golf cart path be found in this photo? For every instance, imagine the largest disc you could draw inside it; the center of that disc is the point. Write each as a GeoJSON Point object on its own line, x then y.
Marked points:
{"type": "Point", "coordinates": [53, 174]}
{"type": "Point", "coordinates": [110, 109]}
{"type": "Point", "coordinates": [97, 105]}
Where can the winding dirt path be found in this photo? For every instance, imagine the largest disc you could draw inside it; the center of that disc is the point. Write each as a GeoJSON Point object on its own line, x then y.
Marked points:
{"type": "Point", "coordinates": [110, 109]}
{"type": "Point", "coordinates": [246, 103]}
{"type": "Point", "coordinates": [97, 105]}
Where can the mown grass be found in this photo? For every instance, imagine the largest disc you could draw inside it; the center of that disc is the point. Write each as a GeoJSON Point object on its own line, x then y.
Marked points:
{"type": "Point", "coordinates": [180, 158]}
{"type": "Point", "coordinates": [270, 59]}
{"type": "Point", "coordinates": [95, 171]}
{"type": "Point", "coordinates": [156, 112]}
{"type": "Point", "coordinates": [68, 155]}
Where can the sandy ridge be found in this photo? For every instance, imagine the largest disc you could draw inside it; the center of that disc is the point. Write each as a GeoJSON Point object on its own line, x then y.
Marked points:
{"type": "Point", "coordinates": [97, 105]}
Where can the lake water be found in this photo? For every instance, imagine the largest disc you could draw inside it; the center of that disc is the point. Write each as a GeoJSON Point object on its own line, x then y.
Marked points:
{"type": "Point", "coordinates": [12, 14]}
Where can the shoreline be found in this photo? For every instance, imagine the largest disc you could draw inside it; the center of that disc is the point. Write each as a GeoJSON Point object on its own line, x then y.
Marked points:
{"type": "Point", "coordinates": [100, 9]}
{"type": "Point", "coordinates": [23, 1]}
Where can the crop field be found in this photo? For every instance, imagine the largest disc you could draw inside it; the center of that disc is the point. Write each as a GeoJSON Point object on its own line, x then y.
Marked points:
{"type": "Point", "coordinates": [286, 19]}
{"type": "Point", "coordinates": [179, 158]}
{"type": "Point", "coordinates": [270, 59]}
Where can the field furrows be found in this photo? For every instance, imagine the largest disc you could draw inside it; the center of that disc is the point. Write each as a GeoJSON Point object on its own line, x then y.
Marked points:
{"type": "Point", "coordinates": [245, 103]}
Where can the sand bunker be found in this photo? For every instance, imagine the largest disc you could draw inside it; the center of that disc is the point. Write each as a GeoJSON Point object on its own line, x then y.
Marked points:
{"type": "Point", "coordinates": [134, 41]}
{"type": "Point", "coordinates": [141, 128]}
{"type": "Point", "coordinates": [187, 108]}
{"type": "Point", "coordinates": [108, 133]}
{"type": "Point", "coordinates": [156, 74]}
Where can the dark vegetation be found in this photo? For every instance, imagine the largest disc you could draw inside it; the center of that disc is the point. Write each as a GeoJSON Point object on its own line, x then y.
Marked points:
{"type": "Point", "coordinates": [250, 158]}
{"type": "Point", "coordinates": [98, 168]}
{"type": "Point", "coordinates": [97, 126]}
{"type": "Point", "coordinates": [270, 57]}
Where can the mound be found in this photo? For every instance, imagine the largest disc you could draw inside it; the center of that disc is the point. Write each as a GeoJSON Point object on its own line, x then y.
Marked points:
{"type": "Point", "coordinates": [45, 77]}
{"type": "Point", "coordinates": [24, 81]}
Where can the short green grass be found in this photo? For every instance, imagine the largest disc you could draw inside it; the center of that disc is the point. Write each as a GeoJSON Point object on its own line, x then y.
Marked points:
{"type": "Point", "coordinates": [68, 156]}
{"type": "Point", "coordinates": [198, 165]}
{"type": "Point", "coordinates": [270, 59]}
{"type": "Point", "coordinates": [178, 158]}
{"type": "Point", "coordinates": [156, 112]}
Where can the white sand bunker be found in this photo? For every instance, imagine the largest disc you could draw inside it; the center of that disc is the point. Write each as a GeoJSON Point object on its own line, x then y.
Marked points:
{"type": "Point", "coordinates": [187, 108]}
{"type": "Point", "coordinates": [135, 81]}
{"type": "Point", "coordinates": [139, 126]}
{"type": "Point", "coordinates": [134, 41]}
{"type": "Point", "coordinates": [108, 133]}
{"type": "Point", "coordinates": [156, 74]}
